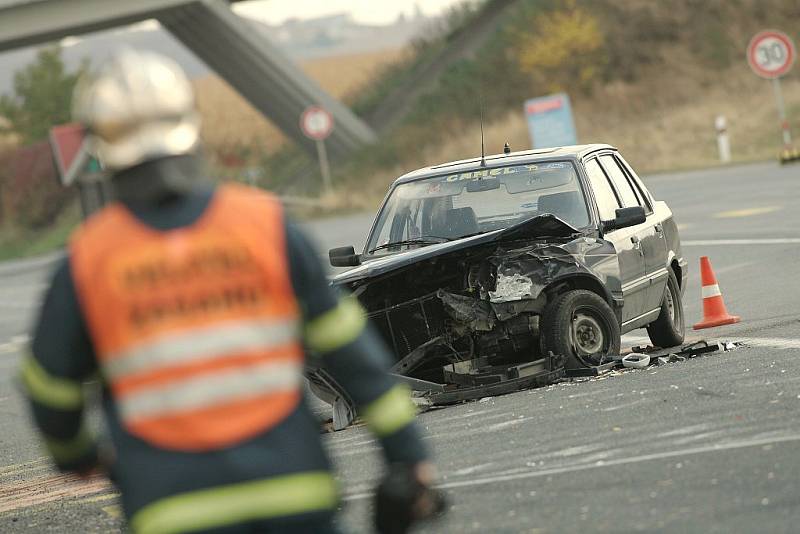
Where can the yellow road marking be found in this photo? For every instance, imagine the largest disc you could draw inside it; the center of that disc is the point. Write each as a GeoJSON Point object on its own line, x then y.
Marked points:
{"type": "Point", "coordinates": [747, 212]}
{"type": "Point", "coordinates": [100, 498]}
{"type": "Point", "coordinates": [113, 510]}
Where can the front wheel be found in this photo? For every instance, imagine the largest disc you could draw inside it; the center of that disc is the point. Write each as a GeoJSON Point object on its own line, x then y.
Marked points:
{"type": "Point", "coordinates": [668, 329]}
{"type": "Point", "coordinates": [581, 326]}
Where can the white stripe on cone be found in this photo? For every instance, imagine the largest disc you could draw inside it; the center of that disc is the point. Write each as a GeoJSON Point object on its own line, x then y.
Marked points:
{"type": "Point", "coordinates": [711, 291]}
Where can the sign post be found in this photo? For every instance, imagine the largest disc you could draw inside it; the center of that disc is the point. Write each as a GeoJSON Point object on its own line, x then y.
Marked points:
{"type": "Point", "coordinates": [317, 124]}
{"type": "Point", "coordinates": [771, 54]}
{"type": "Point", "coordinates": [723, 142]}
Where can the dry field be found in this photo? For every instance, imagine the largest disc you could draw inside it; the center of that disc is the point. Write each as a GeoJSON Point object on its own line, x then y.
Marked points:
{"type": "Point", "coordinates": [229, 121]}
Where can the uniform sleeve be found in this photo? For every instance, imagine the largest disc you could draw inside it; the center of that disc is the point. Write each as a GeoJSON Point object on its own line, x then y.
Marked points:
{"type": "Point", "coordinates": [337, 332]}
{"type": "Point", "coordinates": [60, 359]}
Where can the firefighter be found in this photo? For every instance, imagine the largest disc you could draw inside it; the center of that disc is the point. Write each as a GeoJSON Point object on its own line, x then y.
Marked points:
{"type": "Point", "coordinates": [194, 306]}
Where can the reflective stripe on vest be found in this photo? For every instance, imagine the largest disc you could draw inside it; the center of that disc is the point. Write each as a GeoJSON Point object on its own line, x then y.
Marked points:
{"type": "Point", "coordinates": [204, 391]}
{"type": "Point", "coordinates": [196, 329]}
{"type": "Point", "coordinates": [192, 346]}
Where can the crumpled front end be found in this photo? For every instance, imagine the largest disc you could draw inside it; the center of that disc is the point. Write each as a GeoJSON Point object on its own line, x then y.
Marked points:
{"type": "Point", "coordinates": [467, 325]}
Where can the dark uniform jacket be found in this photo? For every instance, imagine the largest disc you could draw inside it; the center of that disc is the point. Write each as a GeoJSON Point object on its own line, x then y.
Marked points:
{"type": "Point", "coordinates": [278, 476]}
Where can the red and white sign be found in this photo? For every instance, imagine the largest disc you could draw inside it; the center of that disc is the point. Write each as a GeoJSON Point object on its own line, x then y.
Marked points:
{"type": "Point", "coordinates": [66, 141]}
{"type": "Point", "coordinates": [771, 54]}
{"type": "Point", "coordinates": [544, 105]}
{"type": "Point", "coordinates": [316, 123]}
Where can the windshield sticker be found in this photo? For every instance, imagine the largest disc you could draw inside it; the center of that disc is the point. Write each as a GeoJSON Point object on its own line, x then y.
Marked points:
{"type": "Point", "coordinates": [486, 173]}
{"type": "Point", "coordinates": [515, 179]}
{"type": "Point", "coordinates": [434, 188]}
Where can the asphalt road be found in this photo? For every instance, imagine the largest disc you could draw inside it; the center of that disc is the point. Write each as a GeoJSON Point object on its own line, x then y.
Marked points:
{"type": "Point", "coordinates": [707, 445]}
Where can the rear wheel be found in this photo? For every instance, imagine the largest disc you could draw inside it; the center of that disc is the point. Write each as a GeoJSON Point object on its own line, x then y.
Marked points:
{"type": "Point", "coordinates": [668, 329]}
{"type": "Point", "coordinates": [582, 327]}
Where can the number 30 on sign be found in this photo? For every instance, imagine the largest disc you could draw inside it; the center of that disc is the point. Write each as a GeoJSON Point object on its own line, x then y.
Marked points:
{"type": "Point", "coordinates": [771, 54]}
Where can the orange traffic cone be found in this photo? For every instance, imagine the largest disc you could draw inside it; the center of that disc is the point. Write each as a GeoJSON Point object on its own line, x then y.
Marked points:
{"type": "Point", "coordinates": [714, 312]}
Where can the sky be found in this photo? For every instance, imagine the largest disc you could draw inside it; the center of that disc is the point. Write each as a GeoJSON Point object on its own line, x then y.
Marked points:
{"type": "Point", "coordinates": [363, 11]}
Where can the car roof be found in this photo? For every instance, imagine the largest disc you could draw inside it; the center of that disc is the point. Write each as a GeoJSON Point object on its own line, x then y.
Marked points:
{"type": "Point", "coordinates": [496, 160]}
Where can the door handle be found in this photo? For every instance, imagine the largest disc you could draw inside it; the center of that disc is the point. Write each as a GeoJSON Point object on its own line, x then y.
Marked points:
{"type": "Point", "coordinates": [659, 230]}
{"type": "Point", "coordinates": [637, 244]}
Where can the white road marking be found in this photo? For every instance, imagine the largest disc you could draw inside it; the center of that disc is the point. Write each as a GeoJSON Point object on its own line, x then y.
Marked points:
{"type": "Point", "coordinates": [684, 430]}
{"type": "Point", "coordinates": [772, 342]}
{"type": "Point", "coordinates": [492, 479]}
{"type": "Point", "coordinates": [635, 340]}
{"type": "Point", "coordinates": [623, 406]}
{"type": "Point", "coordinates": [737, 242]}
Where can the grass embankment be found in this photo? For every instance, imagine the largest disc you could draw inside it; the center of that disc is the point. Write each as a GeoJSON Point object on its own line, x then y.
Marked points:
{"type": "Point", "coordinates": [21, 243]}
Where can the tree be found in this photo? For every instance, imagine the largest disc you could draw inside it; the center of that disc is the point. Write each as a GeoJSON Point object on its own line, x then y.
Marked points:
{"type": "Point", "coordinates": [42, 96]}
{"type": "Point", "coordinates": [564, 50]}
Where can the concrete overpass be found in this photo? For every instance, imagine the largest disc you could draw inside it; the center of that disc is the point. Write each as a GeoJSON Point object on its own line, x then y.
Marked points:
{"type": "Point", "coordinates": [258, 69]}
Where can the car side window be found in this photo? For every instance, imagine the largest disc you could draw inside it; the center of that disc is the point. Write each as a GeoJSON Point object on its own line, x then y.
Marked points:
{"type": "Point", "coordinates": [637, 183]}
{"type": "Point", "coordinates": [607, 201]}
{"type": "Point", "coordinates": [621, 183]}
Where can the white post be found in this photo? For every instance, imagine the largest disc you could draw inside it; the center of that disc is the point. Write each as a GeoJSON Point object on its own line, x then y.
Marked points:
{"type": "Point", "coordinates": [324, 166]}
{"type": "Point", "coordinates": [787, 134]}
{"type": "Point", "coordinates": [723, 142]}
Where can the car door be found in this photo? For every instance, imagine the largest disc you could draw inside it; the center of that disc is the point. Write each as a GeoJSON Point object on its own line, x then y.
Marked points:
{"type": "Point", "coordinates": [633, 278]}
{"type": "Point", "coordinates": [650, 234]}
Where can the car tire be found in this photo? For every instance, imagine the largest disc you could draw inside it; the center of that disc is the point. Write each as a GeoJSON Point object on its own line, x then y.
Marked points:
{"type": "Point", "coordinates": [582, 327]}
{"type": "Point", "coordinates": [668, 329]}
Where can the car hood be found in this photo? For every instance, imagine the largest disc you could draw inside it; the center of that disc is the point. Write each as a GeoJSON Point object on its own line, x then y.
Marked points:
{"type": "Point", "coordinates": [543, 227]}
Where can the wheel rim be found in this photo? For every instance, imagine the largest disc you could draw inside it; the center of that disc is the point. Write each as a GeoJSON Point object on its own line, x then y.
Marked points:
{"type": "Point", "coordinates": [670, 305]}
{"type": "Point", "coordinates": [588, 335]}
{"type": "Point", "coordinates": [675, 315]}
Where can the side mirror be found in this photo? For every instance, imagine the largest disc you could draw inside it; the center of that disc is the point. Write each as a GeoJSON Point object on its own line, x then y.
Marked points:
{"type": "Point", "coordinates": [625, 217]}
{"type": "Point", "coordinates": [344, 257]}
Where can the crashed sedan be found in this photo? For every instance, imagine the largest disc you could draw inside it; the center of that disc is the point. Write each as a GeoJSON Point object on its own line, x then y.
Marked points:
{"type": "Point", "coordinates": [495, 274]}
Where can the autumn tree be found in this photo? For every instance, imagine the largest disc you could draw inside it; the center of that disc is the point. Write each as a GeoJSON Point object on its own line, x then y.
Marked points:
{"type": "Point", "coordinates": [42, 96]}
{"type": "Point", "coordinates": [563, 49]}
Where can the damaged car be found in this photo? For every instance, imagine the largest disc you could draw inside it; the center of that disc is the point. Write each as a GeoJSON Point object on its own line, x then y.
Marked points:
{"type": "Point", "coordinates": [495, 274]}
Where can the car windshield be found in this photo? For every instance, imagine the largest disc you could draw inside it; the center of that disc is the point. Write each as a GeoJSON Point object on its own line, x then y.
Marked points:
{"type": "Point", "coordinates": [452, 206]}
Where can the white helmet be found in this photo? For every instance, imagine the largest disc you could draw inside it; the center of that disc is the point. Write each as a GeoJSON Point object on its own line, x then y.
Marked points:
{"type": "Point", "coordinates": [138, 107]}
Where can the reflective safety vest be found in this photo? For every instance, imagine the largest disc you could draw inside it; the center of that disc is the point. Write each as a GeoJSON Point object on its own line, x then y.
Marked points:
{"type": "Point", "coordinates": [196, 329]}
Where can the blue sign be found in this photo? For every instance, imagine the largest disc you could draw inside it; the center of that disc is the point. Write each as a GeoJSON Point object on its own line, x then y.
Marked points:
{"type": "Point", "coordinates": [550, 121]}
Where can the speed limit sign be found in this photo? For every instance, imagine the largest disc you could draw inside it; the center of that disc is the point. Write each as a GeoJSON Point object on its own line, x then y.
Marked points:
{"type": "Point", "coordinates": [771, 54]}
{"type": "Point", "coordinates": [316, 122]}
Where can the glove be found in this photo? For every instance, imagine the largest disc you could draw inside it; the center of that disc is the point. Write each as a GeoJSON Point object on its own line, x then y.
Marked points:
{"type": "Point", "coordinates": [405, 497]}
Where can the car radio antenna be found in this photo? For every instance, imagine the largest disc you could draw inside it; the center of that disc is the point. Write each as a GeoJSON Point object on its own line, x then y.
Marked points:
{"type": "Point", "coordinates": [483, 148]}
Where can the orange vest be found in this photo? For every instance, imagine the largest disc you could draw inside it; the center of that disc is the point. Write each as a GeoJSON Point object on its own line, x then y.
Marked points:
{"type": "Point", "coordinates": [196, 329]}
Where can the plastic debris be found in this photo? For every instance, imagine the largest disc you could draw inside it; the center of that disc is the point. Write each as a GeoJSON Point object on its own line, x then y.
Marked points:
{"type": "Point", "coordinates": [636, 360]}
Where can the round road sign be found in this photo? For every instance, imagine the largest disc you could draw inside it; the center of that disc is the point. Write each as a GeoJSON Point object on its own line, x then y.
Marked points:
{"type": "Point", "coordinates": [316, 123]}
{"type": "Point", "coordinates": [771, 53]}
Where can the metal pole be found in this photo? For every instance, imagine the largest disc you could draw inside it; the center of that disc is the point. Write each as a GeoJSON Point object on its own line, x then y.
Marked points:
{"type": "Point", "coordinates": [787, 134]}
{"type": "Point", "coordinates": [324, 166]}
